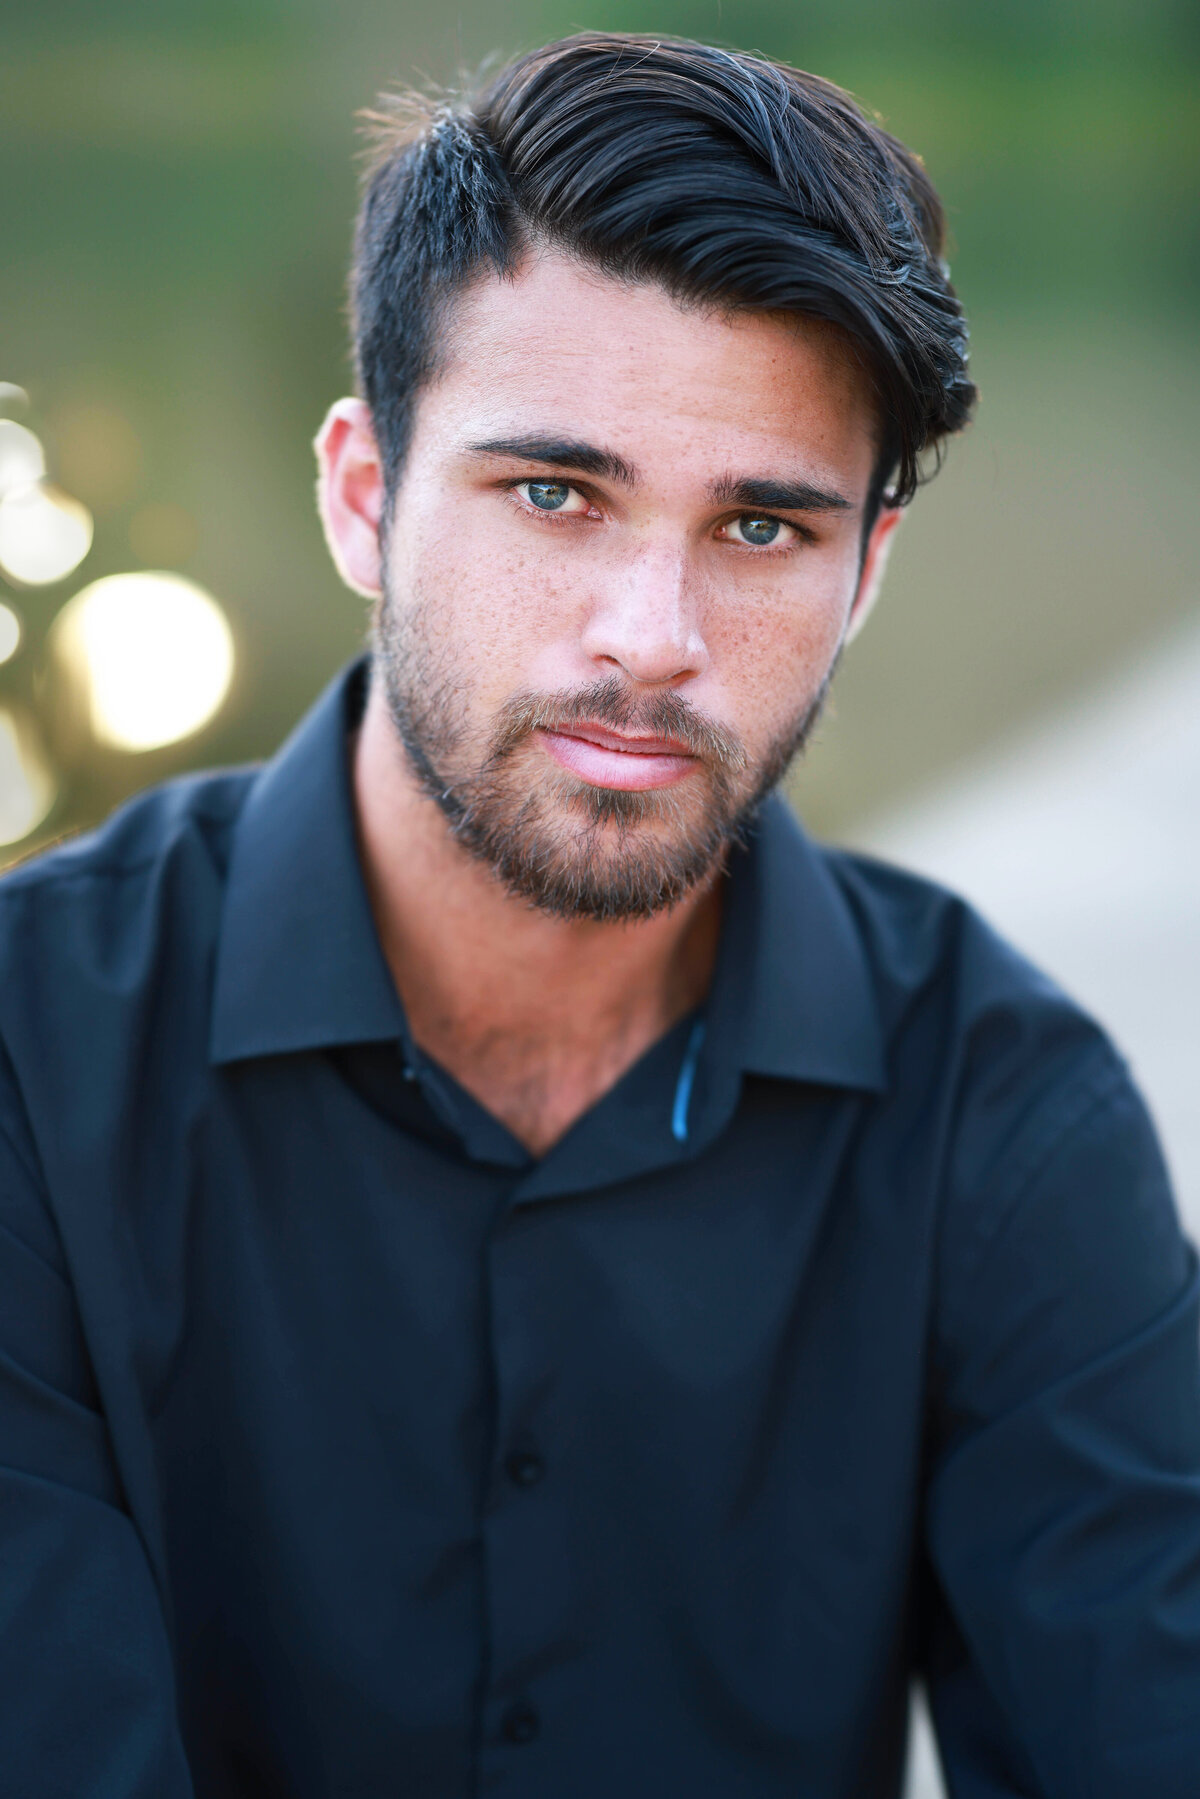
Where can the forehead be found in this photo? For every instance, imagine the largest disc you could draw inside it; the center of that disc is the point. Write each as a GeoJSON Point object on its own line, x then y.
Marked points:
{"type": "Point", "coordinates": [560, 345]}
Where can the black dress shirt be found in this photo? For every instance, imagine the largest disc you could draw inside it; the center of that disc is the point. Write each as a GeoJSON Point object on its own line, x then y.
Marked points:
{"type": "Point", "coordinates": [348, 1451]}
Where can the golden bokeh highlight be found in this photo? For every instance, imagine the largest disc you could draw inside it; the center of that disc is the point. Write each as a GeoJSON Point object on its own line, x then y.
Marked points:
{"type": "Point", "coordinates": [44, 534]}
{"type": "Point", "coordinates": [10, 633]}
{"type": "Point", "coordinates": [149, 654]}
{"type": "Point", "coordinates": [27, 785]}
{"type": "Point", "coordinates": [97, 454]}
{"type": "Point", "coordinates": [22, 459]}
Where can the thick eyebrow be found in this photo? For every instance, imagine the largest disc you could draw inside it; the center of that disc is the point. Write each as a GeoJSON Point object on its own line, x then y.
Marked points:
{"type": "Point", "coordinates": [780, 496]}
{"type": "Point", "coordinates": [564, 453]}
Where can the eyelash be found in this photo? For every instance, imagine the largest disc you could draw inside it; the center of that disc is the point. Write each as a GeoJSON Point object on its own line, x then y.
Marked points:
{"type": "Point", "coordinates": [803, 533]}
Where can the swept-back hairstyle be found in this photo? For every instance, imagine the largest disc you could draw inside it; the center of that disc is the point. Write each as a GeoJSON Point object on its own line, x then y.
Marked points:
{"type": "Point", "coordinates": [728, 180]}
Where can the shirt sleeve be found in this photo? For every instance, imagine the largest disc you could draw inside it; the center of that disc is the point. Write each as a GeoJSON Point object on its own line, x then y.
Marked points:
{"type": "Point", "coordinates": [1063, 1504]}
{"type": "Point", "coordinates": [87, 1703]}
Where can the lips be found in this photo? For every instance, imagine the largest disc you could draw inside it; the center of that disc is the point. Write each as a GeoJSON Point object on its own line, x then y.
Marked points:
{"type": "Point", "coordinates": [608, 759]}
{"type": "Point", "coordinates": [625, 745]}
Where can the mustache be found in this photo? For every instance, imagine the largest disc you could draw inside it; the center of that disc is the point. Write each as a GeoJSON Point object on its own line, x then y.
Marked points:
{"type": "Point", "coordinates": [614, 703]}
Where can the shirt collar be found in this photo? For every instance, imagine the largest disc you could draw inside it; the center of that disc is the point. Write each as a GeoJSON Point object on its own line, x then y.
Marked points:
{"type": "Point", "coordinates": [299, 964]}
{"type": "Point", "coordinates": [793, 995]}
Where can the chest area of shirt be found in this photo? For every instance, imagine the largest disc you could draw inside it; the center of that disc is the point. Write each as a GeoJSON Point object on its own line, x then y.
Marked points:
{"type": "Point", "coordinates": [345, 1293]}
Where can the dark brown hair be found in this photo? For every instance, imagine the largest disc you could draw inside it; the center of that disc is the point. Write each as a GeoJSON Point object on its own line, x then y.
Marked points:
{"type": "Point", "coordinates": [728, 180]}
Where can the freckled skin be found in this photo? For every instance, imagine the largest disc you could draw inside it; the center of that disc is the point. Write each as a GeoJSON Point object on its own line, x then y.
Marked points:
{"type": "Point", "coordinates": [648, 581]}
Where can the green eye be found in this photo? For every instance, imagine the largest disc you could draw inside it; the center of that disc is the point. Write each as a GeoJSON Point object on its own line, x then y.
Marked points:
{"type": "Point", "coordinates": [547, 496]}
{"type": "Point", "coordinates": [758, 531]}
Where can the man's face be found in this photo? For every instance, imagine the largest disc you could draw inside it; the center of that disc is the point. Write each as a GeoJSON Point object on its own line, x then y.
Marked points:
{"type": "Point", "coordinates": [620, 564]}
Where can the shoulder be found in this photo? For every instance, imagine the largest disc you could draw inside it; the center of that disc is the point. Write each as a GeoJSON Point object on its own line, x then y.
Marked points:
{"type": "Point", "coordinates": [181, 820]}
{"type": "Point", "coordinates": [940, 1007]}
{"type": "Point", "coordinates": [142, 832]}
{"type": "Point", "coordinates": [918, 934]}
{"type": "Point", "coordinates": [950, 987]}
{"type": "Point", "coordinates": [1053, 1196]}
{"type": "Point", "coordinates": [1021, 1086]}
{"type": "Point", "coordinates": [91, 928]}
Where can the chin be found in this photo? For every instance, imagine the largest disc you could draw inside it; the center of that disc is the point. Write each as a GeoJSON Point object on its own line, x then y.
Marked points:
{"type": "Point", "coordinates": [578, 851]}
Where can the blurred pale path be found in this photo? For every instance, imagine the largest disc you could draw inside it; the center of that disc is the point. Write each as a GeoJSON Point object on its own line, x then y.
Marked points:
{"type": "Point", "coordinates": [1081, 842]}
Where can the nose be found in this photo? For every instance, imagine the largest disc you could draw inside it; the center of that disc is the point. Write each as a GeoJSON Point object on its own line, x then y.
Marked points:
{"type": "Point", "coordinates": [646, 620]}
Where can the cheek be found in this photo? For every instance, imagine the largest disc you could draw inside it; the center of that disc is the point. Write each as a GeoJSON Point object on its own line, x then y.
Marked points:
{"type": "Point", "coordinates": [776, 650]}
{"type": "Point", "coordinates": [497, 602]}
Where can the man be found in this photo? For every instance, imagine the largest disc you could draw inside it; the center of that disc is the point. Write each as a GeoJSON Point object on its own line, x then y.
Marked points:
{"type": "Point", "coordinates": [519, 1272]}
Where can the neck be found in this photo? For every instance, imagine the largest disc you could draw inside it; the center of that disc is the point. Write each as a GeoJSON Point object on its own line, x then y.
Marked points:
{"type": "Point", "coordinates": [535, 1016]}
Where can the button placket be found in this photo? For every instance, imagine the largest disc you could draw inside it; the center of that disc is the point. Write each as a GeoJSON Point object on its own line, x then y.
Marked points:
{"type": "Point", "coordinates": [520, 1723]}
{"type": "Point", "coordinates": [525, 1468]}
{"type": "Point", "coordinates": [528, 1565]}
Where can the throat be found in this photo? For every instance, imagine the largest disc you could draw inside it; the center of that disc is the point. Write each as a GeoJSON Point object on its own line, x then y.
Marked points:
{"type": "Point", "coordinates": [538, 1086]}
{"type": "Point", "coordinates": [537, 1017]}
{"type": "Point", "coordinates": [538, 1039]}
{"type": "Point", "coordinates": [538, 1094]}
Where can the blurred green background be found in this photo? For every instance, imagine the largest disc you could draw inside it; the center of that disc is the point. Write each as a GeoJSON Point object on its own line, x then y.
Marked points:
{"type": "Point", "coordinates": [175, 216]}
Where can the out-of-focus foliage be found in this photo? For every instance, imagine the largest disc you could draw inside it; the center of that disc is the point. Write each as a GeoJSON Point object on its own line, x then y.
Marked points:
{"type": "Point", "coordinates": [174, 222]}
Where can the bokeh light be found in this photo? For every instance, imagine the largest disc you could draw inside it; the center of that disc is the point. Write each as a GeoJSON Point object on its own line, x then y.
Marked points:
{"type": "Point", "coordinates": [97, 453]}
{"type": "Point", "coordinates": [22, 459]}
{"type": "Point", "coordinates": [10, 633]}
{"type": "Point", "coordinates": [27, 786]}
{"type": "Point", "coordinates": [150, 654]}
{"type": "Point", "coordinates": [44, 534]}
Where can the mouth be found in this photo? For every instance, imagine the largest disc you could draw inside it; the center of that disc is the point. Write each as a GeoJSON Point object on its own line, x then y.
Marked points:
{"type": "Point", "coordinates": [610, 759]}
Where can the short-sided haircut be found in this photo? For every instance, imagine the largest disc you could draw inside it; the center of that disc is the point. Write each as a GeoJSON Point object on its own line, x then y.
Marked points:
{"type": "Point", "coordinates": [730, 181]}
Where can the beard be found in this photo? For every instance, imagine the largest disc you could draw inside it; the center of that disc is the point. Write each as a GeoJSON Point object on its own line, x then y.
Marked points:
{"type": "Point", "coordinates": [571, 849]}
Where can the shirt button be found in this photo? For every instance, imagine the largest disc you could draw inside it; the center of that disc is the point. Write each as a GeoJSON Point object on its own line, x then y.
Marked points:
{"type": "Point", "coordinates": [520, 1723]}
{"type": "Point", "coordinates": [525, 1469]}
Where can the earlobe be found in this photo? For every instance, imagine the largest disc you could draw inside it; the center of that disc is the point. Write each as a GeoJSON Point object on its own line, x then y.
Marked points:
{"type": "Point", "coordinates": [874, 563]}
{"type": "Point", "coordinates": [351, 494]}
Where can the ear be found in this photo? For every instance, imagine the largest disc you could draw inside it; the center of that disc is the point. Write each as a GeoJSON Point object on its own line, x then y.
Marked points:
{"type": "Point", "coordinates": [870, 578]}
{"type": "Point", "coordinates": [350, 494]}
